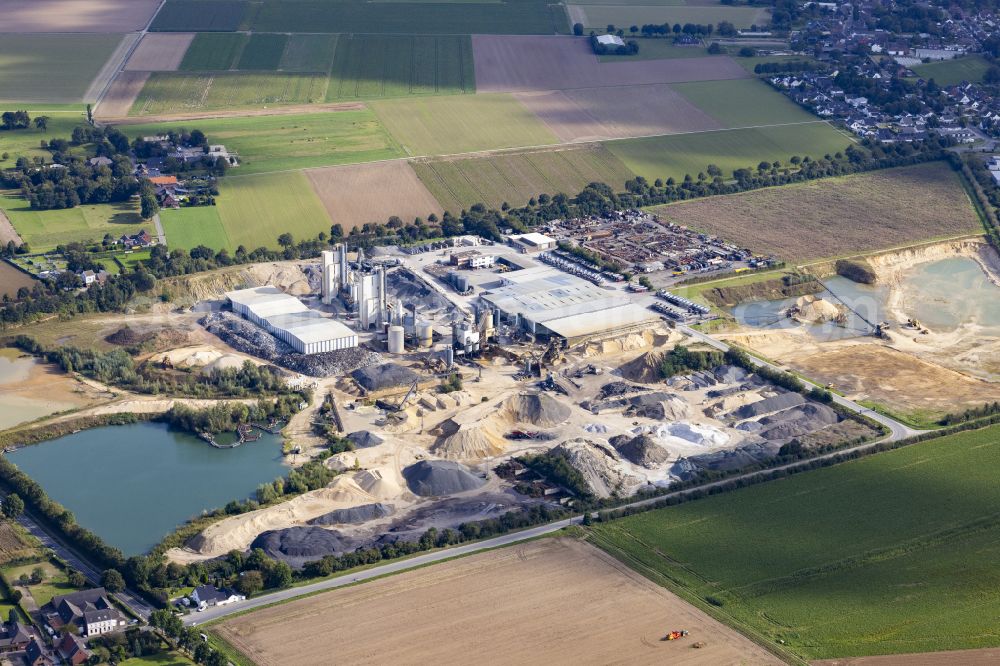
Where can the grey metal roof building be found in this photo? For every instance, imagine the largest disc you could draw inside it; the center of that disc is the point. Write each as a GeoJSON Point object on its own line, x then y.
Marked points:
{"type": "Point", "coordinates": [289, 320]}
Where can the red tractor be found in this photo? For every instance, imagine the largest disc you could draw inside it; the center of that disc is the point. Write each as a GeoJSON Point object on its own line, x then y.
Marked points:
{"type": "Point", "coordinates": [674, 635]}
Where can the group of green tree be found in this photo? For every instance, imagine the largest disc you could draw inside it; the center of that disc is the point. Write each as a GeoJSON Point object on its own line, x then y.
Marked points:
{"type": "Point", "coordinates": [556, 468]}
{"type": "Point", "coordinates": [133, 643]}
{"type": "Point", "coordinates": [181, 138]}
{"type": "Point", "coordinates": [15, 120]}
{"type": "Point", "coordinates": [227, 416]}
{"type": "Point", "coordinates": [680, 359]}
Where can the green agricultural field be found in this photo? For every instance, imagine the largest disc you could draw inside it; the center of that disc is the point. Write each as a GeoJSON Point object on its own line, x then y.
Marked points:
{"type": "Point", "coordinates": [168, 92]}
{"type": "Point", "coordinates": [751, 62]}
{"type": "Point", "coordinates": [186, 228]}
{"type": "Point", "coordinates": [674, 156]}
{"type": "Point", "coordinates": [309, 53]}
{"type": "Point", "coordinates": [51, 68]}
{"type": "Point", "coordinates": [894, 553]}
{"type": "Point", "coordinates": [527, 17]}
{"type": "Point", "coordinates": [743, 103]}
{"type": "Point", "coordinates": [211, 51]}
{"type": "Point", "coordinates": [161, 659]}
{"type": "Point", "coordinates": [599, 16]}
{"type": "Point", "coordinates": [257, 209]}
{"type": "Point", "coordinates": [26, 142]}
{"type": "Point", "coordinates": [658, 49]}
{"type": "Point", "coordinates": [200, 16]}
{"type": "Point", "coordinates": [282, 142]}
{"type": "Point", "coordinates": [371, 66]}
{"type": "Point", "coordinates": [951, 72]}
{"type": "Point", "coordinates": [515, 178]}
{"type": "Point", "coordinates": [263, 52]}
{"type": "Point", "coordinates": [43, 230]}
{"type": "Point", "coordinates": [446, 125]}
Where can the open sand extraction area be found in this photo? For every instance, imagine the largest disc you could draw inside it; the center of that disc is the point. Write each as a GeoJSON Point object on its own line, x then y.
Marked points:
{"type": "Point", "coordinates": [555, 601]}
{"type": "Point", "coordinates": [159, 52]}
{"type": "Point", "coordinates": [516, 63]}
{"type": "Point", "coordinates": [104, 16]}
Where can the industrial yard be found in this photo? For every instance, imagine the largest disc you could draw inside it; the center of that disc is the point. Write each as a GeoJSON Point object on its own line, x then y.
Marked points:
{"type": "Point", "coordinates": [565, 601]}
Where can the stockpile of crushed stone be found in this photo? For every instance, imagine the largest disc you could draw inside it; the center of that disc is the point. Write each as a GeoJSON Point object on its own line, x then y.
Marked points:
{"type": "Point", "coordinates": [437, 478]}
{"type": "Point", "coordinates": [734, 459]}
{"type": "Point", "coordinates": [660, 406]}
{"type": "Point", "coordinates": [730, 374]}
{"type": "Point", "coordinates": [538, 409]}
{"type": "Point", "coordinates": [601, 466]}
{"type": "Point", "coordinates": [644, 369]}
{"type": "Point", "coordinates": [768, 405]}
{"type": "Point", "coordinates": [298, 545]}
{"type": "Point", "coordinates": [248, 338]}
{"type": "Point", "coordinates": [402, 285]}
{"type": "Point", "coordinates": [354, 515]}
{"type": "Point", "coordinates": [641, 450]}
{"type": "Point", "coordinates": [613, 389]}
{"type": "Point", "coordinates": [384, 376]}
{"type": "Point", "coordinates": [797, 421]}
{"type": "Point", "coordinates": [364, 439]}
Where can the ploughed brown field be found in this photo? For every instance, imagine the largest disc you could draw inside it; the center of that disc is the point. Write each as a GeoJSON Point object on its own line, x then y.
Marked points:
{"type": "Point", "coordinates": [516, 63]}
{"type": "Point", "coordinates": [121, 95]}
{"type": "Point", "coordinates": [22, 16]}
{"type": "Point", "coordinates": [160, 52]}
{"type": "Point", "coordinates": [837, 216]}
{"type": "Point", "coordinates": [551, 601]}
{"type": "Point", "coordinates": [952, 658]}
{"type": "Point", "coordinates": [357, 194]}
{"type": "Point", "coordinates": [591, 114]}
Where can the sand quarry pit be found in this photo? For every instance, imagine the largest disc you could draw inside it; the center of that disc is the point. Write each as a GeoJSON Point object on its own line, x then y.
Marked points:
{"type": "Point", "coordinates": [593, 114]}
{"type": "Point", "coordinates": [358, 194]}
{"type": "Point", "coordinates": [97, 16]}
{"type": "Point", "coordinates": [549, 601]}
{"type": "Point", "coordinates": [159, 52]}
{"type": "Point", "coordinates": [522, 63]}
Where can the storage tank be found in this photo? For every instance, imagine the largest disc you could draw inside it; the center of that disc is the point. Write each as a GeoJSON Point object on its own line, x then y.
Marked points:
{"type": "Point", "coordinates": [425, 333]}
{"type": "Point", "coordinates": [396, 338]}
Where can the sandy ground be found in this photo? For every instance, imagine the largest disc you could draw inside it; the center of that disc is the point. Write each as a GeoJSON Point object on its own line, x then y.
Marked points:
{"type": "Point", "coordinates": [952, 658]}
{"type": "Point", "coordinates": [119, 117]}
{"type": "Point", "coordinates": [592, 114]}
{"type": "Point", "coordinates": [97, 16]}
{"type": "Point", "coordinates": [121, 95]}
{"type": "Point", "coordinates": [555, 601]}
{"type": "Point", "coordinates": [159, 52]}
{"type": "Point", "coordinates": [357, 194]}
{"type": "Point", "coordinates": [514, 64]}
{"type": "Point", "coordinates": [40, 389]}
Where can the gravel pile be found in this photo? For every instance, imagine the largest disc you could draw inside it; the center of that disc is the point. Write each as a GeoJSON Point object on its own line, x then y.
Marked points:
{"type": "Point", "coordinates": [436, 478]}
{"type": "Point", "coordinates": [354, 515]}
{"type": "Point", "coordinates": [744, 456]}
{"type": "Point", "coordinates": [248, 338]}
{"type": "Point", "coordinates": [364, 439]}
{"type": "Point", "coordinates": [537, 409]}
{"type": "Point", "coordinates": [404, 286]}
{"type": "Point", "coordinates": [298, 545]}
{"type": "Point", "coordinates": [613, 389]}
{"type": "Point", "coordinates": [642, 450]}
{"type": "Point", "coordinates": [659, 406]}
{"type": "Point", "coordinates": [769, 405]}
{"type": "Point", "coordinates": [797, 421]}
{"type": "Point", "coordinates": [386, 375]}
{"type": "Point", "coordinates": [730, 374]}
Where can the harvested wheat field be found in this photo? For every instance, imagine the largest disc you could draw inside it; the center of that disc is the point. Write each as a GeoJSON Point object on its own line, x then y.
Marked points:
{"type": "Point", "coordinates": [160, 52]}
{"type": "Point", "coordinates": [23, 16]}
{"type": "Point", "coordinates": [356, 194]}
{"type": "Point", "coordinates": [550, 601]}
{"type": "Point", "coordinates": [515, 64]}
{"type": "Point", "coordinates": [121, 95]}
{"type": "Point", "coordinates": [837, 216]}
{"type": "Point", "coordinates": [593, 114]}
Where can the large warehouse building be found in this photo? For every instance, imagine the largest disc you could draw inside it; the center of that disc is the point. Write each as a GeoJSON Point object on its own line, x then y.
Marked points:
{"type": "Point", "coordinates": [546, 302]}
{"type": "Point", "coordinates": [288, 319]}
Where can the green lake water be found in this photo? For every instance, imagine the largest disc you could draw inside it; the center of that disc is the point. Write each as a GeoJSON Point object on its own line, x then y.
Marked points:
{"type": "Point", "coordinates": [953, 292]}
{"type": "Point", "coordinates": [133, 484]}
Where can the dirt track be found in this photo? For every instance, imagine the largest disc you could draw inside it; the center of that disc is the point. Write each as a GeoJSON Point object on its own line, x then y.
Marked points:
{"type": "Point", "coordinates": [97, 16]}
{"type": "Point", "coordinates": [514, 64]}
{"type": "Point", "coordinates": [550, 601]}
{"type": "Point", "coordinates": [356, 194]}
{"type": "Point", "coordinates": [159, 52]}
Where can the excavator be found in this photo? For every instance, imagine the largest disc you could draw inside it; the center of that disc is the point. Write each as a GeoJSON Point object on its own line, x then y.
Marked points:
{"type": "Point", "coordinates": [674, 635]}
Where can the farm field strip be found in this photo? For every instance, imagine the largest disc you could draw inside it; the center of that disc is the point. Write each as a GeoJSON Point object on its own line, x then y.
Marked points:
{"type": "Point", "coordinates": [372, 193]}
{"type": "Point", "coordinates": [175, 92]}
{"type": "Point", "coordinates": [309, 53]}
{"type": "Point", "coordinates": [200, 16]}
{"type": "Point", "coordinates": [49, 16]}
{"type": "Point", "coordinates": [52, 68]}
{"type": "Point", "coordinates": [832, 216]}
{"type": "Point", "coordinates": [568, 603]}
{"type": "Point", "coordinates": [970, 68]}
{"type": "Point", "coordinates": [186, 228]}
{"type": "Point", "coordinates": [263, 52]}
{"type": "Point", "coordinates": [255, 210]}
{"type": "Point", "coordinates": [893, 553]}
{"type": "Point", "coordinates": [743, 103]}
{"type": "Point", "coordinates": [372, 66]}
{"type": "Point", "coordinates": [599, 16]}
{"type": "Point", "coordinates": [211, 51]}
{"type": "Point", "coordinates": [160, 52]}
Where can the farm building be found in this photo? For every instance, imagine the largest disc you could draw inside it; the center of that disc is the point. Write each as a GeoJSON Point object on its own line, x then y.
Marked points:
{"type": "Point", "coordinates": [286, 318]}
{"type": "Point", "coordinates": [610, 40]}
{"type": "Point", "coordinates": [548, 303]}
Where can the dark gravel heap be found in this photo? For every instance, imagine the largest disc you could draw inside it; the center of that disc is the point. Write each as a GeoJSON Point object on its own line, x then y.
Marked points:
{"type": "Point", "coordinates": [642, 450]}
{"type": "Point", "coordinates": [436, 478]}
{"type": "Point", "coordinates": [298, 545]}
{"type": "Point", "coordinates": [386, 375]}
{"type": "Point", "coordinates": [613, 389]}
{"type": "Point", "coordinates": [768, 405]}
{"type": "Point", "coordinates": [354, 515]}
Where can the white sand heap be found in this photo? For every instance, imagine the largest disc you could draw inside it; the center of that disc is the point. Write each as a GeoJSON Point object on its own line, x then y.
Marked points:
{"type": "Point", "coordinates": [817, 310]}
{"type": "Point", "coordinates": [382, 482]}
{"type": "Point", "coordinates": [685, 433]}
